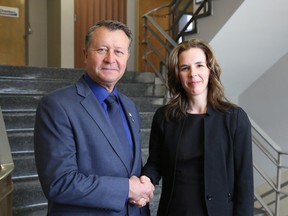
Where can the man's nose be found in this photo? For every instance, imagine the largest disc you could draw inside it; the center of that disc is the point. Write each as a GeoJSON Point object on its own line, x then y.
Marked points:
{"type": "Point", "coordinates": [110, 56]}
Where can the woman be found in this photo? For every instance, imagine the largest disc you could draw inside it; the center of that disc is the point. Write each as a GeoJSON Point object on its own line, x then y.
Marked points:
{"type": "Point", "coordinates": [200, 143]}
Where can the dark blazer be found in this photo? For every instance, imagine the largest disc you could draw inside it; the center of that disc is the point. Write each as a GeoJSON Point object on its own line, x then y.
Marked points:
{"type": "Point", "coordinates": [81, 166]}
{"type": "Point", "coordinates": [228, 170]}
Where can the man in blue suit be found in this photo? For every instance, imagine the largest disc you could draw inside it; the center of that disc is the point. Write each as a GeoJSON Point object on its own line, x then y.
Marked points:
{"type": "Point", "coordinates": [83, 167]}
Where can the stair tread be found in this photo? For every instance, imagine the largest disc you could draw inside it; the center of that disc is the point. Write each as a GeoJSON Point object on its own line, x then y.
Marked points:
{"type": "Point", "coordinates": [28, 193]}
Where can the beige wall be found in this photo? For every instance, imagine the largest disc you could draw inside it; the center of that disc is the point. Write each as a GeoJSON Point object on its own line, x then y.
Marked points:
{"type": "Point", "coordinates": [67, 33]}
{"type": "Point", "coordinates": [37, 39]}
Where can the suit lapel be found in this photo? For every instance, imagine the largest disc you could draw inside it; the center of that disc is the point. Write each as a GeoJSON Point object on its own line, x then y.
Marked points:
{"type": "Point", "coordinates": [97, 113]}
{"type": "Point", "coordinates": [134, 130]}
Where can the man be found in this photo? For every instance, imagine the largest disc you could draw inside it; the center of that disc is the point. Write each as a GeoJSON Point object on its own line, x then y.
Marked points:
{"type": "Point", "coordinates": [83, 167]}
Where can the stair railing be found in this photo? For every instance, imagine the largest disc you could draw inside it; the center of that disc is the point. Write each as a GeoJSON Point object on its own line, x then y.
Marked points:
{"type": "Point", "coordinates": [162, 31]}
{"type": "Point", "coordinates": [277, 157]}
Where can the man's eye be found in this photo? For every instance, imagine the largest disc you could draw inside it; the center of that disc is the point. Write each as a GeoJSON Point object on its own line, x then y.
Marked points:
{"type": "Point", "coordinates": [119, 53]}
{"type": "Point", "coordinates": [102, 51]}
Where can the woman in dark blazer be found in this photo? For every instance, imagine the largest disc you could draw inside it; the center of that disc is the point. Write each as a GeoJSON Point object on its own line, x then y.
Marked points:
{"type": "Point", "coordinates": [200, 143]}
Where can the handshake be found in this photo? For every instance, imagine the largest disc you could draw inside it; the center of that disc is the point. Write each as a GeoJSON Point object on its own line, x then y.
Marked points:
{"type": "Point", "coordinates": [140, 190]}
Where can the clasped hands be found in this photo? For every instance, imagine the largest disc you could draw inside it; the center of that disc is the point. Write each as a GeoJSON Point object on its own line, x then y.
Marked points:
{"type": "Point", "coordinates": [140, 190]}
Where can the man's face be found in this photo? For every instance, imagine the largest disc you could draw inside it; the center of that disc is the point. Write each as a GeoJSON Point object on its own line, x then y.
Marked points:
{"type": "Point", "coordinates": [107, 56]}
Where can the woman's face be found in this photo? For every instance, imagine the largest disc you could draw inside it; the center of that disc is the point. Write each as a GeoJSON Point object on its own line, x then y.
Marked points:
{"type": "Point", "coordinates": [193, 72]}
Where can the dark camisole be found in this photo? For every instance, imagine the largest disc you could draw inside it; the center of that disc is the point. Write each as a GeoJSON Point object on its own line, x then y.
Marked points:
{"type": "Point", "coordinates": [188, 193]}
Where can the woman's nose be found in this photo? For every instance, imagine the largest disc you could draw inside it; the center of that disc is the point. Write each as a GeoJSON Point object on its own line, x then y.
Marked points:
{"type": "Point", "coordinates": [192, 73]}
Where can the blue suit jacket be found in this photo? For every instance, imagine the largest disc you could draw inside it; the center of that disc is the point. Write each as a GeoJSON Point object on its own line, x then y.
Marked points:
{"type": "Point", "coordinates": [82, 168]}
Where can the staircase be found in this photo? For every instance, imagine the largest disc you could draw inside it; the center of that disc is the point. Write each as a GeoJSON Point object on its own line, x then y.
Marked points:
{"type": "Point", "coordinates": [20, 90]}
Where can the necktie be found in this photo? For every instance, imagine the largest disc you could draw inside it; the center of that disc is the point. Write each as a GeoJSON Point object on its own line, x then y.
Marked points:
{"type": "Point", "coordinates": [116, 120]}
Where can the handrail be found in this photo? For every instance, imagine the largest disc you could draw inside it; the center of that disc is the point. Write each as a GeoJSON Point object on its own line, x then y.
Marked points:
{"type": "Point", "coordinates": [159, 8]}
{"type": "Point", "coordinates": [5, 170]}
{"type": "Point", "coordinates": [158, 27]}
{"type": "Point", "coordinates": [267, 138]}
{"type": "Point", "coordinates": [261, 201]}
{"type": "Point", "coordinates": [197, 14]}
{"type": "Point", "coordinates": [275, 154]}
{"type": "Point", "coordinates": [158, 41]}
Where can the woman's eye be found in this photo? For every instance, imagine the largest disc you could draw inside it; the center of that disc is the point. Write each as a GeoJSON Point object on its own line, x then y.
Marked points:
{"type": "Point", "coordinates": [184, 69]}
{"type": "Point", "coordinates": [201, 65]}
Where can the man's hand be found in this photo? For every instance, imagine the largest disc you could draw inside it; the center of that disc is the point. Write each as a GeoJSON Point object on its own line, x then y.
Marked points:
{"type": "Point", "coordinates": [140, 190]}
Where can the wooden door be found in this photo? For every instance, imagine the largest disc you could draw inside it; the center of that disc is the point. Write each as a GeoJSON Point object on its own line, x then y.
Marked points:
{"type": "Point", "coordinates": [87, 12]}
{"type": "Point", "coordinates": [12, 36]}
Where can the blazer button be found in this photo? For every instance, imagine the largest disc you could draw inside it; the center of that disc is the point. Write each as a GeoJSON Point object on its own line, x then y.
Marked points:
{"type": "Point", "coordinates": [229, 196]}
{"type": "Point", "coordinates": [209, 197]}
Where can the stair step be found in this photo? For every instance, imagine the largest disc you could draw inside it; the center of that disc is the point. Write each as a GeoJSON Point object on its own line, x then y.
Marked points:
{"type": "Point", "coordinates": [40, 87]}
{"type": "Point", "coordinates": [32, 210]}
{"type": "Point", "coordinates": [21, 141]}
{"type": "Point", "coordinates": [38, 73]}
{"type": "Point", "coordinates": [148, 104]}
{"type": "Point", "coordinates": [15, 102]}
{"type": "Point", "coordinates": [145, 154]}
{"type": "Point", "coordinates": [24, 165]}
{"type": "Point", "coordinates": [27, 194]}
{"type": "Point", "coordinates": [26, 72]}
{"type": "Point", "coordinates": [14, 120]}
{"type": "Point", "coordinates": [19, 105]}
{"type": "Point", "coordinates": [259, 212]}
{"type": "Point", "coordinates": [35, 87]}
{"type": "Point", "coordinates": [145, 133]}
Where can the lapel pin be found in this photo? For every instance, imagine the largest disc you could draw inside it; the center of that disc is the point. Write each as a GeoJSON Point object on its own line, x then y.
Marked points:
{"type": "Point", "coordinates": [131, 116]}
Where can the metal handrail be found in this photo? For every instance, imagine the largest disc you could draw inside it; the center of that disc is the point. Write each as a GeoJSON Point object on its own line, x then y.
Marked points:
{"type": "Point", "coordinates": [5, 171]}
{"type": "Point", "coordinates": [275, 154]}
{"type": "Point", "coordinates": [164, 37]}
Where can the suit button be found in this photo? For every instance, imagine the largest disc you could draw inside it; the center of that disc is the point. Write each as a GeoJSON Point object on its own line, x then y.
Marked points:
{"type": "Point", "coordinates": [209, 197]}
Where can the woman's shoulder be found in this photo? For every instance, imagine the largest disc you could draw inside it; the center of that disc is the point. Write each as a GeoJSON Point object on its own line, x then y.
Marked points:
{"type": "Point", "coordinates": [237, 110]}
{"type": "Point", "coordinates": [160, 113]}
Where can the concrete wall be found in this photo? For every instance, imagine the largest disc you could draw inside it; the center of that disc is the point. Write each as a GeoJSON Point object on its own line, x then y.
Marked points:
{"type": "Point", "coordinates": [266, 101]}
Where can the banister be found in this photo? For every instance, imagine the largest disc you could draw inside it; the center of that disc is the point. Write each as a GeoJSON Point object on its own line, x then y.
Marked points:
{"type": "Point", "coordinates": [275, 155]}
{"type": "Point", "coordinates": [271, 143]}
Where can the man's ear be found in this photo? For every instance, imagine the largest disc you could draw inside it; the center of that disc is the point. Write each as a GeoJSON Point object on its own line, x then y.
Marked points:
{"type": "Point", "coordinates": [85, 53]}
